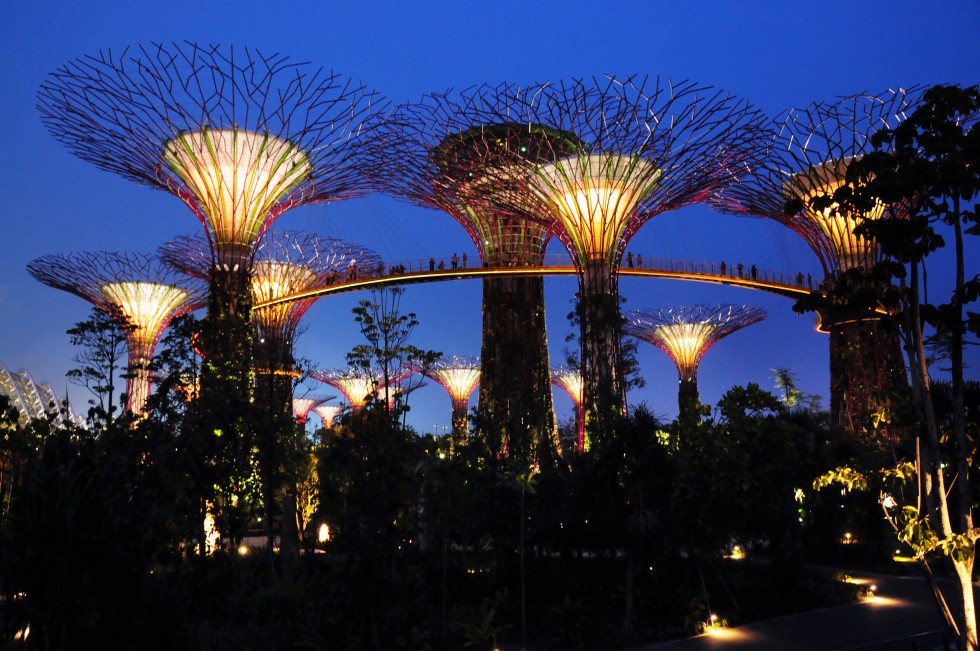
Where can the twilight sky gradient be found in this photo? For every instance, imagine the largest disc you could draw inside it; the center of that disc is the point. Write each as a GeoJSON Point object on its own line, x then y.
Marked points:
{"type": "Point", "coordinates": [774, 54]}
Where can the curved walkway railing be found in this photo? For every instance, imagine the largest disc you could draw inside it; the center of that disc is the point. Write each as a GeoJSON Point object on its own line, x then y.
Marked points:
{"type": "Point", "coordinates": [555, 264]}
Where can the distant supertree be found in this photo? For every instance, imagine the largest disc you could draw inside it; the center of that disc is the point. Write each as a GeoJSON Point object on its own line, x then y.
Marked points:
{"type": "Point", "coordinates": [303, 406]}
{"type": "Point", "coordinates": [621, 152]}
{"type": "Point", "coordinates": [806, 159]}
{"type": "Point", "coordinates": [285, 263]}
{"type": "Point", "coordinates": [239, 136]}
{"type": "Point", "coordinates": [437, 155]}
{"type": "Point", "coordinates": [459, 377]}
{"type": "Point", "coordinates": [570, 381]}
{"type": "Point", "coordinates": [686, 334]}
{"type": "Point", "coordinates": [327, 414]}
{"type": "Point", "coordinates": [137, 290]}
{"type": "Point", "coordinates": [356, 386]}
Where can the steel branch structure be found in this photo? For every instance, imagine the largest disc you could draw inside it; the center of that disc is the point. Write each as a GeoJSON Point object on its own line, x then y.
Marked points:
{"type": "Point", "coordinates": [459, 377]}
{"type": "Point", "coordinates": [137, 290]}
{"type": "Point", "coordinates": [601, 157]}
{"type": "Point", "coordinates": [686, 334]}
{"type": "Point", "coordinates": [806, 158]}
{"type": "Point", "coordinates": [239, 136]}
{"type": "Point", "coordinates": [570, 381]}
{"type": "Point", "coordinates": [443, 154]}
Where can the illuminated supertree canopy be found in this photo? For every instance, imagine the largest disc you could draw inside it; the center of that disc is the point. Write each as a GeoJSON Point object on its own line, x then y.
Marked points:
{"type": "Point", "coordinates": [686, 334]}
{"type": "Point", "coordinates": [237, 134]}
{"type": "Point", "coordinates": [621, 152]}
{"type": "Point", "coordinates": [443, 156]}
{"type": "Point", "coordinates": [303, 406]}
{"type": "Point", "coordinates": [570, 381]}
{"type": "Point", "coordinates": [139, 290]}
{"type": "Point", "coordinates": [806, 159]}
{"type": "Point", "coordinates": [327, 413]}
{"type": "Point", "coordinates": [286, 262]}
{"type": "Point", "coordinates": [459, 376]}
{"type": "Point", "coordinates": [357, 386]}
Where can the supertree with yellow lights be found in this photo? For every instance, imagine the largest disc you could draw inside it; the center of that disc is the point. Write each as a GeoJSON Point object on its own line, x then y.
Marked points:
{"type": "Point", "coordinates": [238, 135]}
{"type": "Point", "coordinates": [138, 291]}
{"type": "Point", "coordinates": [303, 406]}
{"type": "Point", "coordinates": [327, 413]}
{"type": "Point", "coordinates": [686, 334]}
{"type": "Point", "coordinates": [285, 263]}
{"type": "Point", "coordinates": [593, 160]}
{"type": "Point", "coordinates": [805, 163]}
{"type": "Point", "coordinates": [570, 381]}
{"type": "Point", "coordinates": [459, 376]}
{"type": "Point", "coordinates": [437, 153]}
{"type": "Point", "coordinates": [355, 385]}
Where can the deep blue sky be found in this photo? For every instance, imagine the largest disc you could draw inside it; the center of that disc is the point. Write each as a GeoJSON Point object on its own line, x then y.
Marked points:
{"type": "Point", "coordinates": [775, 54]}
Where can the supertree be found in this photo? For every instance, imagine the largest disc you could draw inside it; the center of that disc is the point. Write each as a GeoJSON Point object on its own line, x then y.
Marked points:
{"type": "Point", "coordinates": [621, 152]}
{"type": "Point", "coordinates": [686, 334]}
{"type": "Point", "coordinates": [327, 414]}
{"type": "Point", "coordinates": [285, 263]}
{"type": "Point", "coordinates": [570, 381]}
{"type": "Point", "coordinates": [438, 156]}
{"type": "Point", "coordinates": [138, 291]}
{"type": "Point", "coordinates": [806, 159]}
{"type": "Point", "coordinates": [459, 377]}
{"type": "Point", "coordinates": [355, 385]}
{"type": "Point", "coordinates": [239, 136]}
{"type": "Point", "coordinates": [303, 406]}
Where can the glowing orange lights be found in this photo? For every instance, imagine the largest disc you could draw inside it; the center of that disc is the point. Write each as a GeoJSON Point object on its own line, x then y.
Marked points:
{"type": "Point", "coordinates": [594, 198]}
{"type": "Point", "coordinates": [235, 179]}
{"type": "Point", "coordinates": [686, 333]}
{"type": "Point", "coordinates": [852, 250]}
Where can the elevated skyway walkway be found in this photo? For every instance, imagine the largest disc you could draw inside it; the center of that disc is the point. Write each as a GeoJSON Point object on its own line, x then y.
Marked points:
{"type": "Point", "coordinates": [556, 264]}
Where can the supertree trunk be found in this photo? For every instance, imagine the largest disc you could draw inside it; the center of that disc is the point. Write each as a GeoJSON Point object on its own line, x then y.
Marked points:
{"type": "Point", "coordinates": [226, 390]}
{"type": "Point", "coordinates": [515, 382]}
{"type": "Point", "coordinates": [600, 324]}
{"type": "Point", "coordinates": [866, 369]}
{"type": "Point", "coordinates": [688, 401]}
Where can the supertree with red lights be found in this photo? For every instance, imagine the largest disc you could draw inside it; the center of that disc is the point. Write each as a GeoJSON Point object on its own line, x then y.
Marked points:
{"type": "Point", "coordinates": [437, 155]}
{"type": "Point", "coordinates": [239, 136]}
{"type": "Point", "coordinates": [605, 156]}
{"type": "Point", "coordinates": [806, 159]}
{"type": "Point", "coordinates": [138, 291]}
{"type": "Point", "coordinates": [686, 334]}
{"type": "Point", "coordinates": [303, 406]}
{"type": "Point", "coordinates": [570, 381]}
{"type": "Point", "coordinates": [459, 376]}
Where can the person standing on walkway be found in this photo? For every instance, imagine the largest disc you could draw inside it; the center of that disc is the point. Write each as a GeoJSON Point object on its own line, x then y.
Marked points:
{"type": "Point", "coordinates": [432, 264]}
{"type": "Point", "coordinates": [740, 267]}
{"type": "Point", "coordinates": [455, 261]}
{"type": "Point", "coordinates": [755, 272]}
{"type": "Point", "coordinates": [464, 259]}
{"type": "Point", "coordinates": [629, 259]}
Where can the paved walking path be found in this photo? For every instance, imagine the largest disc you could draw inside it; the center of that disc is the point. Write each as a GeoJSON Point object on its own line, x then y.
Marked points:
{"type": "Point", "coordinates": [902, 616]}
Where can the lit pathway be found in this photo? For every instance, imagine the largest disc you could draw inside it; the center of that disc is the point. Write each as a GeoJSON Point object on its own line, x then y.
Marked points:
{"type": "Point", "coordinates": [428, 270]}
{"type": "Point", "coordinates": [902, 616]}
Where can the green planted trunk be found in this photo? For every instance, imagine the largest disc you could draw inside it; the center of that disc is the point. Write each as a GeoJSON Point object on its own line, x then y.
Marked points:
{"type": "Point", "coordinates": [866, 370]}
{"type": "Point", "coordinates": [516, 406]}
